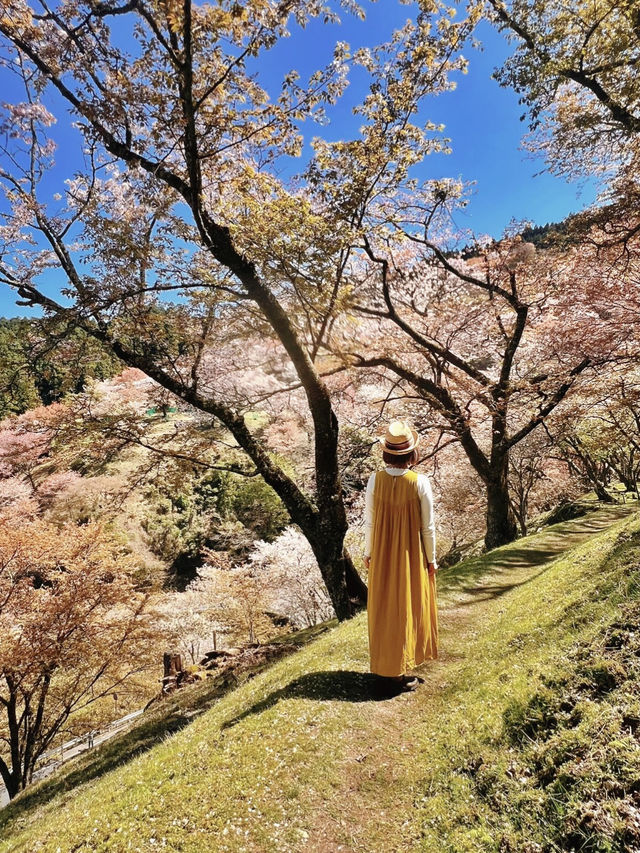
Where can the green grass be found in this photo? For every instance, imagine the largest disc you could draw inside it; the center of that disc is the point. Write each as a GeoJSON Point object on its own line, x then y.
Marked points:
{"type": "Point", "coordinates": [487, 792]}
{"type": "Point", "coordinates": [307, 755]}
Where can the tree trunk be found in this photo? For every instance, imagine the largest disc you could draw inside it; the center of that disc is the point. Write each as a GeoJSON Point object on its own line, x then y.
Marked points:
{"type": "Point", "coordinates": [589, 468]}
{"type": "Point", "coordinates": [14, 780]}
{"type": "Point", "coordinates": [601, 493]}
{"type": "Point", "coordinates": [347, 590]}
{"type": "Point", "coordinates": [520, 513]}
{"type": "Point", "coordinates": [11, 783]}
{"type": "Point", "coordinates": [501, 522]}
{"type": "Point", "coordinates": [356, 587]}
{"type": "Point", "coordinates": [172, 664]}
{"type": "Point", "coordinates": [623, 468]}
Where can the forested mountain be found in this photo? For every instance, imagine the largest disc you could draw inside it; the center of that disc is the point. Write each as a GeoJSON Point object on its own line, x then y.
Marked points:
{"type": "Point", "coordinates": [41, 362]}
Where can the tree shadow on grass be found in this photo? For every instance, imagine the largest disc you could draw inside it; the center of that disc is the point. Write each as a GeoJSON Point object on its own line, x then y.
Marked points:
{"type": "Point", "coordinates": [467, 579]}
{"type": "Point", "coordinates": [109, 755]}
{"type": "Point", "coordinates": [486, 592]}
{"type": "Point", "coordinates": [159, 722]}
{"type": "Point", "coordinates": [334, 685]}
{"type": "Point", "coordinates": [540, 550]}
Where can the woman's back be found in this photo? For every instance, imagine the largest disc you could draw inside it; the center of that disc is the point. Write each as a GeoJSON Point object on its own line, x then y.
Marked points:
{"type": "Point", "coordinates": [402, 596]}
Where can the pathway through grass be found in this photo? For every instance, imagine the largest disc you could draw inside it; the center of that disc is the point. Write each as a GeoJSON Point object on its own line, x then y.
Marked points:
{"type": "Point", "coordinates": [385, 773]}
{"type": "Point", "coordinates": [303, 757]}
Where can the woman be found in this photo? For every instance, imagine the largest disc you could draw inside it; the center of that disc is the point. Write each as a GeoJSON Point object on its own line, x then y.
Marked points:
{"type": "Point", "coordinates": [400, 554]}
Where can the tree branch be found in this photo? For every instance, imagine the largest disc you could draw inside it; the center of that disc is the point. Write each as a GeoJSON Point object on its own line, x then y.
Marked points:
{"type": "Point", "coordinates": [442, 401]}
{"type": "Point", "coordinates": [546, 410]}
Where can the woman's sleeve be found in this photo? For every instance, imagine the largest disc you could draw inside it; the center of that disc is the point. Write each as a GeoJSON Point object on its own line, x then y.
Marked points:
{"type": "Point", "coordinates": [428, 518]}
{"type": "Point", "coordinates": [368, 515]}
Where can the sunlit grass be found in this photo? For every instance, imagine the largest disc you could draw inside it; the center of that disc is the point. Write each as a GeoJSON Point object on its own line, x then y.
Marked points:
{"type": "Point", "coordinates": [304, 757]}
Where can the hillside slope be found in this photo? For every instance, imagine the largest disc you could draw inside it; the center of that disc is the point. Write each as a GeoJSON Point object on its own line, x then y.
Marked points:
{"type": "Point", "coordinates": [306, 756]}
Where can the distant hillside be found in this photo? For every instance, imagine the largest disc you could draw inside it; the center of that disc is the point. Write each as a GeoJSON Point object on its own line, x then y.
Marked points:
{"type": "Point", "coordinates": [542, 237]}
{"type": "Point", "coordinates": [40, 362]}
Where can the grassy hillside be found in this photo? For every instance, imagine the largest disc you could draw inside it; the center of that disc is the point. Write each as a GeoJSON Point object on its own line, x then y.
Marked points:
{"type": "Point", "coordinates": [536, 688]}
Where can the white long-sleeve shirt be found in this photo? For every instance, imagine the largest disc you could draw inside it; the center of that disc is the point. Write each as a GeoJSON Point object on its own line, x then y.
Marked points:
{"type": "Point", "coordinates": [426, 506]}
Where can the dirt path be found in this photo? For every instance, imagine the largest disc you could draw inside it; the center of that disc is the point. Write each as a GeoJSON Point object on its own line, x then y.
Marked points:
{"type": "Point", "coordinates": [377, 759]}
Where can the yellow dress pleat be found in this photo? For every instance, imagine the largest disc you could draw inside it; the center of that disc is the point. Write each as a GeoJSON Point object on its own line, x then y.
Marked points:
{"type": "Point", "coordinates": [402, 608]}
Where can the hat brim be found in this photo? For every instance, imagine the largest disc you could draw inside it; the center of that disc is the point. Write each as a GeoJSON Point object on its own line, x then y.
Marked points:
{"type": "Point", "coordinates": [405, 450]}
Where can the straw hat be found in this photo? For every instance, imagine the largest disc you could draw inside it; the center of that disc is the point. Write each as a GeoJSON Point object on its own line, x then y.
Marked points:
{"type": "Point", "coordinates": [400, 438]}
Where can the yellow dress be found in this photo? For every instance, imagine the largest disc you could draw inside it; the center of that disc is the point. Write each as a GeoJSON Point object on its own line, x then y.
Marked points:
{"type": "Point", "coordinates": [402, 608]}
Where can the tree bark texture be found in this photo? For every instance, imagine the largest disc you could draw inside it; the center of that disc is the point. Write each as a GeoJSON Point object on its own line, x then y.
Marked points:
{"type": "Point", "coordinates": [501, 523]}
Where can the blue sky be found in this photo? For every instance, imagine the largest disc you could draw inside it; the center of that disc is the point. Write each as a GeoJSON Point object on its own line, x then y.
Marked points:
{"type": "Point", "coordinates": [481, 119]}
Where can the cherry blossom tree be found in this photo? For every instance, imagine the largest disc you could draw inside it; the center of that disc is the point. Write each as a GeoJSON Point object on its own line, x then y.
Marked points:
{"type": "Point", "coordinates": [622, 430]}
{"type": "Point", "coordinates": [599, 436]}
{"type": "Point", "coordinates": [294, 583]}
{"type": "Point", "coordinates": [531, 327]}
{"type": "Point", "coordinates": [72, 628]}
{"type": "Point", "coordinates": [237, 603]}
{"type": "Point", "coordinates": [190, 620]}
{"type": "Point", "coordinates": [196, 205]}
{"type": "Point", "coordinates": [240, 596]}
{"type": "Point", "coordinates": [25, 441]}
{"type": "Point", "coordinates": [576, 71]}
{"type": "Point", "coordinates": [538, 479]}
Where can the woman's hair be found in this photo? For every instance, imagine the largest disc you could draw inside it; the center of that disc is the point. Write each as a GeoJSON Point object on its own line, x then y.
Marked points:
{"type": "Point", "coordinates": [399, 460]}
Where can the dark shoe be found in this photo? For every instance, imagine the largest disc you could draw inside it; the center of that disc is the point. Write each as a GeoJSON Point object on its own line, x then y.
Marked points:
{"type": "Point", "coordinates": [404, 683]}
{"type": "Point", "coordinates": [390, 686]}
